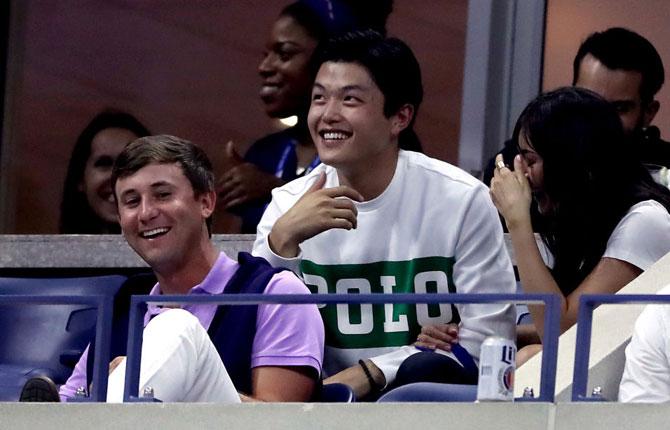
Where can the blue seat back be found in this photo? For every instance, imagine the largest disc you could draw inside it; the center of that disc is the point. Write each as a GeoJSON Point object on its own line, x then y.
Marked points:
{"type": "Point", "coordinates": [431, 392]}
{"type": "Point", "coordinates": [336, 393]}
{"type": "Point", "coordinates": [46, 339]}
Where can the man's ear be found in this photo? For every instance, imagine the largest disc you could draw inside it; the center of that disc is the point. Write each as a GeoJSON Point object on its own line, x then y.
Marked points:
{"type": "Point", "coordinates": [208, 203]}
{"type": "Point", "coordinates": [649, 112]}
{"type": "Point", "coordinates": [402, 119]}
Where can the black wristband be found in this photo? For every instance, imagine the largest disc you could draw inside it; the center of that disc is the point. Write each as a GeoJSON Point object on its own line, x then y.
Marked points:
{"type": "Point", "coordinates": [374, 387]}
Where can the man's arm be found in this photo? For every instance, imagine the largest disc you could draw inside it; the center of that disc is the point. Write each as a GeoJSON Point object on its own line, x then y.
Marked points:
{"type": "Point", "coordinates": [356, 378]}
{"type": "Point", "coordinates": [281, 384]}
{"type": "Point", "coordinates": [483, 266]}
{"type": "Point", "coordinates": [287, 351]}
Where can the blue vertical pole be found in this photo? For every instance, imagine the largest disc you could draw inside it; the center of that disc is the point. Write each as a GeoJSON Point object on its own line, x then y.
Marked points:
{"type": "Point", "coordinates": [552, 316]}
{"type": "Point", "coordinates": [134, 351]}
{"type": "Point", "coordinates": [103, 334]}
{"type": "Point", "coordinates": [582, 348]}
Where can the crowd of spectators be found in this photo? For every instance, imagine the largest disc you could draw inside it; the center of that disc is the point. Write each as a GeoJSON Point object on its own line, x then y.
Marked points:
{"type": "Point", "coordinates": [345, 202]}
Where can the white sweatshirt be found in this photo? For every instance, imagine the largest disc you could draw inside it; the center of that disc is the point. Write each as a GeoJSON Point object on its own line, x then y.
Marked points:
{"type": "Point", "coordinates": [434, 229]}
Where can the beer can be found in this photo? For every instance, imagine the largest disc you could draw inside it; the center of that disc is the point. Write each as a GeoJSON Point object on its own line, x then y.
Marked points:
{"type": "Point", "coordinates": [496, 370]}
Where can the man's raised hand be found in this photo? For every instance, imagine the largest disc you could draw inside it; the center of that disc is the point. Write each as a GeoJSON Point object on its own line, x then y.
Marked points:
{"type": "Point", "coordinates": [318, 210]}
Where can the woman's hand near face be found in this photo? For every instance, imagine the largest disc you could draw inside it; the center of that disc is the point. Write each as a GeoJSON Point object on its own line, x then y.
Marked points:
{"type": "Point", "coordinates": [511, 193]}
{"type": "Point", "coordinates": [243, 182]}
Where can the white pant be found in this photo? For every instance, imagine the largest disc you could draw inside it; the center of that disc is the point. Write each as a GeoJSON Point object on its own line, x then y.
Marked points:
{"type": "Point", "coordinates": [179, 362]}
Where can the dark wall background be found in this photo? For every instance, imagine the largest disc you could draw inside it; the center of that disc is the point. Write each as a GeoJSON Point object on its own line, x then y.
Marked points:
{"type": "Point", "coordinates": [183, 67]}
{"type": "Point", "coordinates": [569, 22]}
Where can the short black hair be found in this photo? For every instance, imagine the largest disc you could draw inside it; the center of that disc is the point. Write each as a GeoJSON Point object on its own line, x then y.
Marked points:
{"type": "Point", "coordinates": [389, 61]}
{"type": "Point", "coordinates": [620, 48]}
{"type": "Point", "coordinates": [391, 65]}
{"type": "Point", "coordinates": [326, 19]}
{"type": "Point", "coordinates": [166, 149]}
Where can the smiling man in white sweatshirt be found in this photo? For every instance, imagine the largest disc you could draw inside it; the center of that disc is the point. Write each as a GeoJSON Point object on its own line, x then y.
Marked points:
{"type": "Point", "coordinates": [374, 218]}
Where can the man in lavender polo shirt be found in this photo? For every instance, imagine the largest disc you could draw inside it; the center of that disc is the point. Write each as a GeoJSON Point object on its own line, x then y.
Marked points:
{"type": "Point", "coordinates": [164, 189]}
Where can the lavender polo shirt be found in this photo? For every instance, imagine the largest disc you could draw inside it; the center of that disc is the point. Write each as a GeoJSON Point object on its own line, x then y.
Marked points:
{"type": "Point", "coordinates": [286, 335]}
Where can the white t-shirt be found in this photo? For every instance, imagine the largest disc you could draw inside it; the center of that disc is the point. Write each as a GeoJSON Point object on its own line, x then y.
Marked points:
{"type": "Point", "coordinates": [642, 236]}
{"type": "Point", "coordinates": [434, 229]}
{"type": "Point", "coordinates": [646, 375]}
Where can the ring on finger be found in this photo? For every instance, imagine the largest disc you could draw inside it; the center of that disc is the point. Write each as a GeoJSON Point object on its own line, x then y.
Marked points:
{"type": "Point", "coordinates": [500, 164]}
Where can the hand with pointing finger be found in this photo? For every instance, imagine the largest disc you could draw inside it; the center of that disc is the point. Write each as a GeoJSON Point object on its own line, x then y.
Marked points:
{"type": "Point", "coordinates": [318, 210]}
{"type": "Point", "coordinates": [511, 193]}
{"type": "Point", "coordinates": [243, 182]}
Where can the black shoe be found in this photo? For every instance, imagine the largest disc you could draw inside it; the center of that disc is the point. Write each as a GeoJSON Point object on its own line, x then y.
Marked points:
{"type": "Point", "coordinates": [39, 389]}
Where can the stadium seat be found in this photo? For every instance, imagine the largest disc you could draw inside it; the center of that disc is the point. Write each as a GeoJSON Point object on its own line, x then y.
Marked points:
{"type": "Point", "coordinates": [431, 392]}
{"type": "Point", "coordinates": [336, 393]}
{"type": "Point", "coordinates": [46, 339]}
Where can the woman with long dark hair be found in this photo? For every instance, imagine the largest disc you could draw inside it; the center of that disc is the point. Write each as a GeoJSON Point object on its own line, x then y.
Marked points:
{"type": "Point", "coordinates": [605, 219]}
{"type": "Point", "coordinates": [88, 205]}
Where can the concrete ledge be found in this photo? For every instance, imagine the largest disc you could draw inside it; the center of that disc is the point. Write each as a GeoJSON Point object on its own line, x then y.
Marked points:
{"type": "Point", "coordinates": [389, 416]}
{"type": "Point", "coordinates": [57, 251]}
{"type": "Point", "coordinates": [89, 251]}
{"type": "Point", "coordinates": [620, 416]}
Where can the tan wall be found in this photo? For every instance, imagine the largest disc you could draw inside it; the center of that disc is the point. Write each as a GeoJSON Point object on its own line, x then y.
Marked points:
{"type": "Point", "coordinates": [184, 70]}
{"type": "Point", "coordinates": [569, 22]}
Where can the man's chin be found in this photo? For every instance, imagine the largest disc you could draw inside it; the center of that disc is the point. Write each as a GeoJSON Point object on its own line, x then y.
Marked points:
{"type": "Point", "coordinates": [153, 257]}
{"type": "Point", "coordinates": [159, 263]}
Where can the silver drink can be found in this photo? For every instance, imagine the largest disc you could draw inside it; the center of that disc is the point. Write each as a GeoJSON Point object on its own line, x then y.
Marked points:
{"type": "Point", "coordinates": [496, 370]}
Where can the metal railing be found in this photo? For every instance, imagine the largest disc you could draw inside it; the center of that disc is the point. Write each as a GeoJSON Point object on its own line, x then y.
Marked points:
{"type": "Point", "coordinates": [587, 304]}
{"type": "Point", "coordinates": [550, 339]}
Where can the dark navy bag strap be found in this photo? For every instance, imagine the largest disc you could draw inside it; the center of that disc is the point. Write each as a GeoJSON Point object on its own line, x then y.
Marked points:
{"type": "Point", "coordinates": [234, 326]}
{"type": "Point", "coordinates": [251, 277]}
